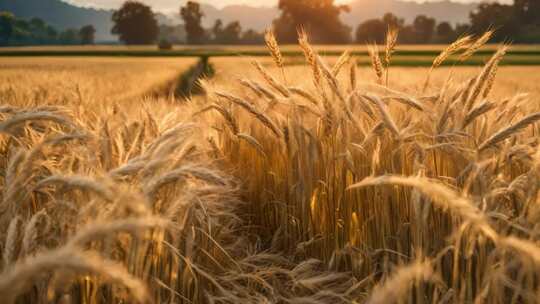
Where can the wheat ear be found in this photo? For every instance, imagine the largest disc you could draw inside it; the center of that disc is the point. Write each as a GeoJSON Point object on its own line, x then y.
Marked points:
{"type": "Point", "coordinates": [507, 132]}
{"type": "Point", "coordinates": [391, 42]}
{"type": "Point", "coordinates": [376, 62]}
{"type": "Point", "coordinates": [453, 48]}
{"type": "Point", "coordinates": [311, 56]}
{"type": "Point", "coordinates": [273, 47]}
{"type": "Point", "coordinates": [476, 45]}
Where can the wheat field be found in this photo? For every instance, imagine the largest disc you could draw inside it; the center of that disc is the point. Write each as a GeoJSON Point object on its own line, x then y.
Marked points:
{"type": "Point", "coordinates": [511, 80]}
{"type": "Point", "coordinates": [321, 182]}
{"type": "Point", "coordinates": [86, 79]}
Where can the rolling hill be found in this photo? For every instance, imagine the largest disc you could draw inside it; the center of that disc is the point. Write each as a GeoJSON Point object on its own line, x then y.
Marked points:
{"type": "Point", "coordinates": [62, 15]}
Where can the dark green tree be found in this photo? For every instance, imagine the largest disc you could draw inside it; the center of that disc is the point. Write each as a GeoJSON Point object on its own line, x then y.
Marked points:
{"type": "Point", "coordinates": [445, 33]}
{"type": "Point", "coordinates": [7, 26]}
{"type": "Point", "coordinates": [496, 16]}
{"type": "Point", "coordinates": [192, 16]}
{"type": "Point", "coordinates": [69, 37]}
{"type": "Point", "coordinates": [407, 35]}
{"type": "Point", "coordinates": [38, 30]}
{"type": "Point", "coordinates": [22, 33]}
{"type": "Point", "coordinates": [217, 29]}
{"type": "Point", "coordinates": [391, 20]}
{"type": "Point", "coordinates": [175, 34]}
{"type": "Point", "coordinates": [462, 29]}
{"type": "Point", "coordinates": [52, 33]}
{"type": "Point", "coordinates": [135, 23]}
{"type": "Point", "coordinates": [15, 31]}
{"type": "Point", "coordinates": [528, 11]}
{"type": "Point", "coordinates": [528, 14]}
{"type": "Point", "coordinates": [230, 34]}
{"type": "Point", "coordinates": [371, 31]}
{"type": "Point", "coordinates": [252, 37]}
{"type": "Point", "coordinates": [33, 32]}
{"type": "Point", "coordinates": [320, 19]}
{"type": "Point", "coordinates": [424, 28]}
{"type": "Point", "coordinates": [87, 34]}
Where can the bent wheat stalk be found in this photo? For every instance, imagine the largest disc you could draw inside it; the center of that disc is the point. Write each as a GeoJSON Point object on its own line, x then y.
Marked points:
{"type": "Point", "coordinates": [509, 131]}
{"type": "Point", "coordinates": [20, 277]}
{"type": "Point", "coordinates": [396, 287]}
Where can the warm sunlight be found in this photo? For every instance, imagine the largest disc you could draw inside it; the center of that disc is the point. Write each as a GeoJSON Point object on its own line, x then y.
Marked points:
{"type": "Point", "coordinates": [224, 152]}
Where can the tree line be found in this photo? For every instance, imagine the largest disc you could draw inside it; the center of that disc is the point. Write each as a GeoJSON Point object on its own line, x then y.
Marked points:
{"type": "Point", "coordinates": [219, 33]}
{"type": "Point", "coordinates": [422, 30]}
{"type": "Point", "coordinates": [518, 22]}
{"type": "Point", "coordinates": [16, 31]}
{"type": "Point", "coordinates": [136, 23]}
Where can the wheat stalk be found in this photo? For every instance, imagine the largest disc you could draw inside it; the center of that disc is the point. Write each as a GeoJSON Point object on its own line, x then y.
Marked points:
{"type": "Point", "coordinates": [386, 116]}
{"type": "Point", "coordinates": [258, 89]}
{"type": "Point", "coordinates": [458, 45]}
{"type": "Point", "coordinates": [30, 241]}
{"type": "Point", "coordinates": [484, 78]}
{"type": "Point", "coordinates": [399, 283]}
{"type": "Point", "coordinates": [305, 94]}
{"type": "Point", "coordinates": [490, 81]}
{"type": "Point", "coordinates": [256, 113]}
{"type": "Point", "coordinates": [331, 79]}
{"type": "Point", "coordinates": [477, 111]}
{"type": "Point", "coordinates": [342, 60]}
{"type": "Point", "coordinates": [352, 75]}
{"type": "Point", "coordinates": [10, 245]}
{"type": "Point", "coordinates": [253, 142]}
{"type": "Point", "coordinates": [390, 47]}
{"type": "Point", "coordinates": [509, 131]}
{"type": "Point", "coordinates": [438, 193]}
{"type": "Point", "coordinates": [97, 230]}
{"type": "Point", "coordinates": [271, 80]}
{"type": "Point", "coordinates": [21, 276]}
{"type": "Point", "coordinates": [78, 182]}
{"type": "Point", "coordinates": [20, 118]}
{"type": "Point", "coordinates": [229, 118]}
{"type": "Point", "coordinates": [376, 62]}
{"type": "Point", "coordinates": [476, 45]}
{"type": "Point", "coordinates": [310, 55]}
{"type": "Point", "coordinates": [273, 46]}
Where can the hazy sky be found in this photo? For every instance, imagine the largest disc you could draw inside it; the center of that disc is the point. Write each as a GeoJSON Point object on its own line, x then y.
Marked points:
{"type": "Point", "coordinates": [168, 5]}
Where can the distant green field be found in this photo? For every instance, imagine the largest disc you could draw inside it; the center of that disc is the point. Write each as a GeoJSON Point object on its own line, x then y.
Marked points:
{"type": "Point", "coordinates": [408, 55]}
